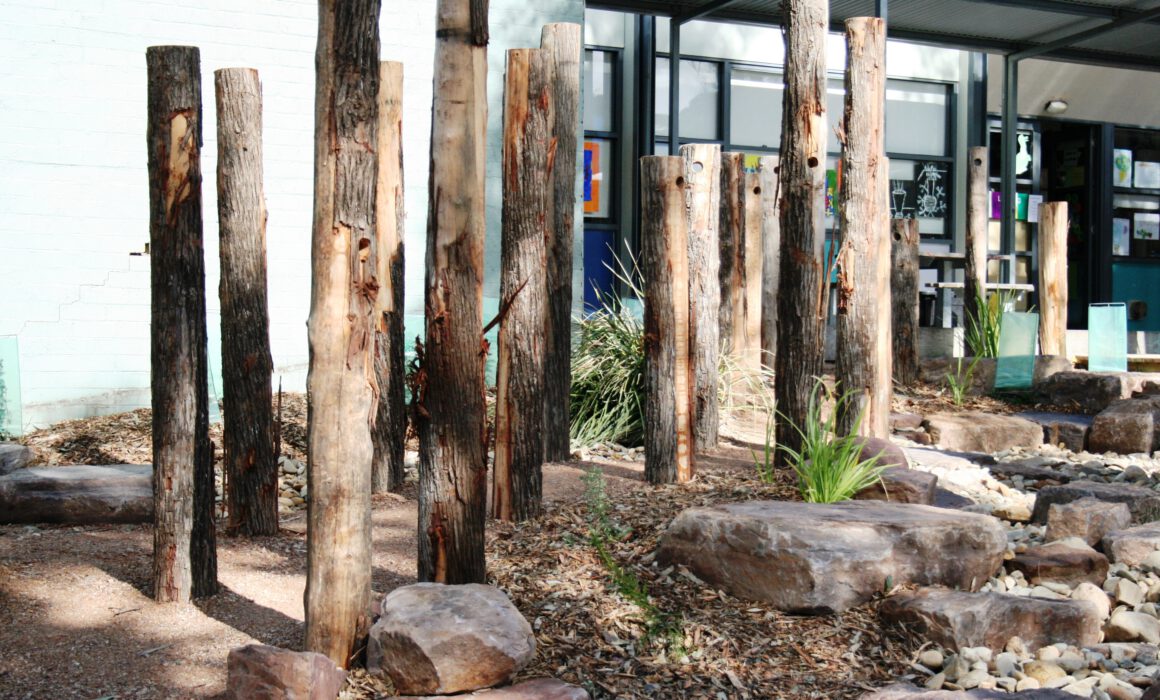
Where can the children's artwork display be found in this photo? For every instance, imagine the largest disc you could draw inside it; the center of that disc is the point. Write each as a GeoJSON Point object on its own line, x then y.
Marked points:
{"type": "Point", "coordinates": [592, 177]}
{"type": "Point", "coordinates": [831, 192]}
{"type": "Point", "coordinates": [1034, 202]}
{"type": "Point", "coordinates": [1146, 226]}
{"type": "Point", "coordinates": [996, 205]}
{"type": "Point", "coordinates": [931, 185]}
{"type": "Point", "coordinates": [1022, 199]}
{"type": "Point", "coordinates": [902, 199]}
{"type": "Point", "coordinates": [1147, 175]}
{"type": "Point", "coordinates": [1122, 167]}
{"type": "Point", "coordinates": [1121, 238]}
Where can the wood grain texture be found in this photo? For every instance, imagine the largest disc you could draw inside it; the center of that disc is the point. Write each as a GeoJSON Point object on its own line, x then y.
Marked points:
{"type": "Point", "coordinates": [450, 411]}
{"type": "Point", "coordinates": [703, 177]}
{"type": "Point", "coordinates": [1053, 278]}
{"type": "Point", "coordinates": [251, 459]}
{"type": "Point", "coordinates": [978, 214]}
{"type": "Point", "coordinates": [731, 230]}
{"type": "Point", "coordinates": [341, 328]}
{"type": "Point", "coordinates": [527, 224]}
{"type": "Point", "coordinates": [747, 311]}
{"type": "Point", "coordinates": [904, 299]}
{"type": "Point", "coordinates": [770, 257]}
{"type": "Point", "coordinates": [184, 541]}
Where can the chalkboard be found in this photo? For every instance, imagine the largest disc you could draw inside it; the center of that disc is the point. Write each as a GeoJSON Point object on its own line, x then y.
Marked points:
{"type": "Point", "coordinates": [902, 199]}
{"type": "Point", "coordinates": [932, 185]}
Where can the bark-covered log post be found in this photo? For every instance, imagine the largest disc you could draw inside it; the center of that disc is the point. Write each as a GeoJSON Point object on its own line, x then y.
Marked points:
{"type": "Point", "coordinates": [975, 263]}
{"type": "Point", "coordinates": [770, 257]}
{"type": "Point", "coordinates": [527, 223]}
{"type": "Point", "coordinates": [747, 314]}
{"type": "Point", "coordinates": [668, 438]}
{"type": "Point", "coordinates": [731, 230]}
{"type": "Point", "coordinates": [904, 299]}
{"type": "Point", "coordinates": [184, 541]}
{"type": "Point", "coordinates": [450, 412]}
{"type": "Point", "coordinates": [341, 328]}
{"type": "Point", "coordinates": [703, 177]}
{"type": "Point", "coordinates": [801, 308]}
{"type": "Point", "coordinates": [251, 461]}
{"type": "Point", "coordinates": [562, 41]}
{"type": "Point", "coordinates": [390, 429]}
{"type": "Point", "coordinates": [863, 316]}
{"type": "Point", "coordinates": [1053, 278]}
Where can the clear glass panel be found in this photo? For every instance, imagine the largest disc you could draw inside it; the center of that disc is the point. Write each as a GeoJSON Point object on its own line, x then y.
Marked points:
{"type": "Point", "coordinates": [598, 86]}
{"type": "Point", "coordinates": [700, 97]}
{"type": "Point", "coordinates": [10, 418]}
{"type": "Point", "coordinates": [916, 117]}
{"type": "Point", "coordinates": [597, 178]}
{"type": "Point", "coordinates": [755, 108]}
{"type": "Point", "coordinates": [1022, 237]}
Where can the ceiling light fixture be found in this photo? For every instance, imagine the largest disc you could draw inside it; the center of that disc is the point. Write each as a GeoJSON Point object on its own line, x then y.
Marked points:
{"type": "Point", "coordinates": [1055, 106]}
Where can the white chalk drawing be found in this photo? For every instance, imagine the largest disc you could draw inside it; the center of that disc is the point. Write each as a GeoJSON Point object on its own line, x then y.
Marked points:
{"type": "Point", "coordinates": [931, 199]}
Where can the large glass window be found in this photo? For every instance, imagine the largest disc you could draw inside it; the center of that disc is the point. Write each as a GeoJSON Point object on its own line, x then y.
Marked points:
{"type": "Point", "coordinates": [916, 117]}
{"type": "Point", "coordinates": [601, 129]}
{"type": "Point", "coordinates": [700, 99]}
{"type": "Point", "coordinates": [755, 107]}
{"type": "Point", "coordinates": [598, 91]}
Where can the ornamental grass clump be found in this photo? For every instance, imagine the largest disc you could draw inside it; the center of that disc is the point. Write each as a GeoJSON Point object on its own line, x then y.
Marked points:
{"type": "Point", "coordinates": [608, 377]}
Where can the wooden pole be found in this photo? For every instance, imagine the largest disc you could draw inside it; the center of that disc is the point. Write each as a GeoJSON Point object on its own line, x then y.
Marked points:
{"type": "Point", "coordinates": [1053, 278]}
{"type": "Point", "coordinates": [184, 547]}
{"type": "Point", "coordinates": [801, 311]}
{"type": "Point", "coordinates": [341, 328]}
{"type": "Point", "coordinates": [863, 318]}
{"type": "Point", "coordinates": [452, 433]}
{"type": "Point", "coordinates": [731, 255]}
{"type": "Point", "coordinates": [702, 174]}
{"type": "Point", "coordinates": [562, 42]}
{"type": "Point", "coordinates": [390, 429]}
{"type": "Point", "coordinates": [668, 439]}
{"type": "Point", "coordinates": [770, 258]}
{"type": "Point", "coordinates": [978, 212]}
{"type": "Point", "coordinates": [527, 225]}
{"type": "Point", "coordinates": [904, 299]}
{"type": "Point", "coordinates": [747, 315]}
{"type": "Point", "coordinates": [251, 459]}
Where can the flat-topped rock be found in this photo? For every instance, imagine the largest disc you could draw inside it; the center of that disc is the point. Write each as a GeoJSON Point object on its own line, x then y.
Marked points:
{"type": "Point", "coordinates": [1092, 392]}
{"type": "Point", "coordinates": [13, 456]}
{"type": "Point", "coordinates": [81, 495]}
{"type": "Point", "coordinates": [887, 453]}
{"type": "Point", "coordinates": [812, 557]}
{"type": "Point", "coordinates": [535, 689]}
{"type": "Point", "coordinates": [1067, 429]}
{"type": "Point", "coordinates": [1031, 469]}
{"type": "Point", "coordinates": [1087, 518]}
{"type": "Point", "coordinates": [975, 431]}
{"type": "Point", "coordinates": [1127, 426]}
{"type": "Point", "coordinates": [1132, 545]}
{"type": "Point", "coordinates": [958, 620]}
{"type": "Point", "coordinates": [1069, 561]}
{"type": "Point", "coordinates": [902, 485]}
{"type": "Point", "coordinates": [271, 673]}
{"type": "Point", "coordinates": [906, 691]}
{"type": "Point", "coordinates": [1144, 503]}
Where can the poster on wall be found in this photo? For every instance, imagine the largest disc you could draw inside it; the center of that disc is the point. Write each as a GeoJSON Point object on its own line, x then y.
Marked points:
{"type": "Point", "coordinates": [1147, 175]}
{"type": "Point", "coordinates": [1147, 226]}
{"type": "Point", "coordinates": [831, 192]}
{"type": "Point", "coordinates": [902, 199]}
{"type": "Point", "coordinates": [931, 186]}
{"type": "Point", "coordinates": [591, 177]}
{"type": "Point", "coordinates": [1121, 238]}
{"type": "Point", "coordinates": [1022, 202]}
{"type": "Point", "coordinates": [996, 205]}
{"type": "Point", "coordinates": [1034, 202]}
{"type": "Point", "coordinates": [1121, 167]}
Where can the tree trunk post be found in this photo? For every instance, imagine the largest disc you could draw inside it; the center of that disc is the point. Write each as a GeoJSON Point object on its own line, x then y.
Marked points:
{"type": "Point", "coordinates": [703, 177]}
{"type": "Point", "coordinates": [801, 311]}
{"type": "Point", "coordinates": [527, 225]}
{"type": "Point", "coordinates": [389, 433]}
{"type": "Point", "coordinates": [341, 329]}
{"type": "Point", "coordinates": [251, 462]}
{"type": "Point", "coordinates": [450, 411]}
{"type": "Point", "coordinates": [747, 314]}
{"type": "Point", "coordinates": [770, 258]}
{"type": "Point", "coordinates": [731, 271]}
{"type": "Point", "coordinates": [1053, 278]}
{"type": "Point", "coordinates": [978, 211]}
{"type": "Point", "coordinates": [562, 41]}
{"type": "Point", "coordinates": [668, 439]}
{"type": "Point", "coordinates": [184, 541]}
{"type": "Point", "coordinates": [904, 299]}
{"type": "Point", "coordinates": [863, 318]}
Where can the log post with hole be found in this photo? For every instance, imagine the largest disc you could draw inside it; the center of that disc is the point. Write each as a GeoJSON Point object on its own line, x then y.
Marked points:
{"type": "Point", "coordinates": [747, 314]}
{"type": "Point", "coordinates": [801, 311]}
{"type": "Point", "coordinates": [527, 223]}
{"type": "Point", "coordinates": [904, 299]}
{"type": "Point", "coordinates": [563, 43]}
{"type": "Point", "coordinates": [341, 329]}
{"type": "Point", "coordinates": [251, 462]}
{"type": "Point", "coordinates": [863, 313]}
{"type": "Point", "coordinates": [450, 411]}
{"type": "Point", "coordinates": [770, 258]}
{"type": "Point", "coordinates": [184, 541]}
{"type": "Point", "coordinates": [731, 231]}
{"type": "Point", "coordinates": [1053, 278]}
{"type": "Point", "coordinates": [978, 211]}
{"type": "Point", "coordinates": [702, 173]}
{"type": "Point", "coordinates": [668, 438]}
{"type": "Point", "coordinates": [390, 429]}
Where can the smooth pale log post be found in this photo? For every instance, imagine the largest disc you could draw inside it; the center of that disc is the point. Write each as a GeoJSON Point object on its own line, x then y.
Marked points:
{"type": "Point", "coordinates": [562, 41]}
{"type": "Point", "coordinates": [731, 271]}
{"type": "Point", "coordinates": [904, 299]}
{"type": "Point", "coordinates": [863, 287]}
{"type": "Point", "coordinates": [527, 222]}
{"type": "Point", "coordinates": [341, 329]}
{"type": "Point", "coordinates": [184, 542]}
{"type": "Point", "coordinates": [1053, 278]}
{"type": "Point", "coordinates": [978, 212]}
{"type": "Point", "coordinates": [251, 460]}
{"type": "Point", "coordinates": [668, 439]}
{"type": "Point", "coordinates": [390, 428]}
{"type": "Point", "coordinates": [801, 312]}
{"type": "Point", "coordinates": [770, 257]}
{"type": "Point", "coordinates": [703, 178]}
{"type": "Point", "coordinates": [451, 416]}
{"type": "Point", "coordinates": [747, 313]}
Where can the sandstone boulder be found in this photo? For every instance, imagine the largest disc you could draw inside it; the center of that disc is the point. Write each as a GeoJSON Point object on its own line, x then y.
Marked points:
{"type": "Point", "coordinates": [1069, 561]}
{"type": "Point", "coordinates": [1132, 545]}
{"type": "Point", "coordinates": [902, 485]}
{"type": "Point", "coordinates": [437, 639]}
{"type": "Point", "coordinates": [1087, 518]}
{"type": "Point", "coordinates": [974, 431]}
{"type": "Point", "coordinates": [905, 421]}
{"type": "Point", "coordinates": [1128, 426]}
{"type": "Point", "coordinates": [83, 495]}
{"type": "Point", "coordinates": [13, 456]}
{"type": "Point", "coordinates": [958, 620]}
{"type": "Point", "coordinates": [1091, 392]}
{"type": "Point", "coordinates": [1068, 429]}
{"type": "Point", "coordinates": [1128, 626]}
{"type": "Point", "coordinates": [1143, 503]}
{"type": "Point", "coordinates": [888, 454]}
{"type": "Point", "coordinates": [535, 689]}
{"type": "Point", "coordinates": [261, 672]}
{"type": "Point", "coordinates": [812, 557]}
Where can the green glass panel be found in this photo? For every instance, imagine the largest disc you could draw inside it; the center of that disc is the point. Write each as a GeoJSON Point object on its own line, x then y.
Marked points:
{"type": "Point", "coordinates": [1015, 365]}
{"type": "Point", "coordinates": [1107, 338]}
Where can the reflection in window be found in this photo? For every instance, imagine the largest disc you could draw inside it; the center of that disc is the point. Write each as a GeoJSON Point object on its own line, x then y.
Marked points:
{"type": "Point", "coordinates": [755, 108]}
{"type": "Point", "coordinates": [598, 87]}
{"type": "Point", "coordinates": [916, 117]}
{"type": "Point", "coordinates": [699, 97]}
